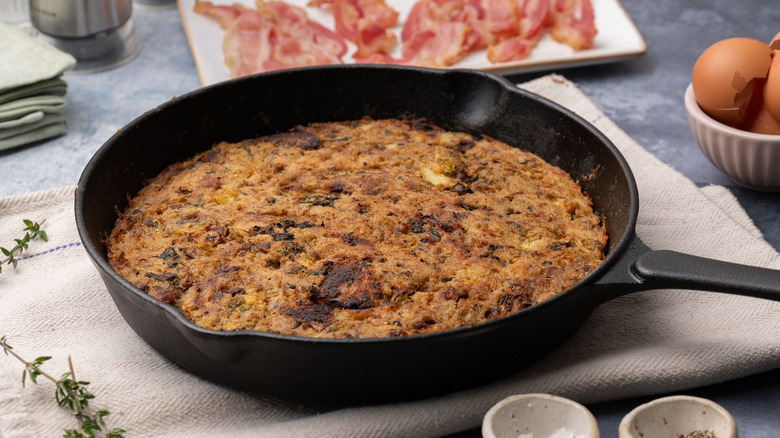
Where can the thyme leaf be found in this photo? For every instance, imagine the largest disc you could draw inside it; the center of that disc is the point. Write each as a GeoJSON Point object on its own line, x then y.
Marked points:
{"type": "Point", "coordinates": [69, 393]}
{"type": "Point", "coordinates": [32, 231]}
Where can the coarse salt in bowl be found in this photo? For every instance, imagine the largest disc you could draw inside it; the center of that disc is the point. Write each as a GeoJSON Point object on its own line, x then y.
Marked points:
{"type": "Point", "coordinates": [751, 160]}
{"type": "Point", "coordinates": [539, 416]}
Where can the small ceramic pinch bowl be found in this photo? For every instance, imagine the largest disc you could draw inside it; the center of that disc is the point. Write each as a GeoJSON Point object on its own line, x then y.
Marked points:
{"type": "Point", "coordinates": [678, 416]}
{"type": "Point", "coordinates": [539, 416]}
{"type": "Point", "coordinates": [751, 160]}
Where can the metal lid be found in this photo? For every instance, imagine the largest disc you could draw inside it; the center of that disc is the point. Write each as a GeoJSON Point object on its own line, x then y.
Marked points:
{"type": "Point", "coordinates": [78, 18]}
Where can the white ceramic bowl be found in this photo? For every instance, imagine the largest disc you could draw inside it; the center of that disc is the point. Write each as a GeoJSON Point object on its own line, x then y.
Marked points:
{"type": "Point", "coordinates": [751, 160]}
{"type": "Point", "coordinates": [539, 416]}
{"type": "Point", "coordinates": [676, 416]}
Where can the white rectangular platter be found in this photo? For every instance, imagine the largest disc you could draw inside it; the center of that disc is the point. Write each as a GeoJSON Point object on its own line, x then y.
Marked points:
{"type": "Point", "coordinates": [617, 39]}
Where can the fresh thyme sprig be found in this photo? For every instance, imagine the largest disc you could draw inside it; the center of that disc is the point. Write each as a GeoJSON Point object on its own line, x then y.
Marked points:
{"type": "Point", "coordinates": [69, 392]}
{"type": "Point", "coordinates": [33, 230]}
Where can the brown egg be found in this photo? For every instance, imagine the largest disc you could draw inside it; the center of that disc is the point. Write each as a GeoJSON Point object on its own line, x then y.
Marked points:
{"type": "Point", "coordinates": [763, 123]}
{"type": "Point", "coordinates": [724, 77]}
{"type": "Point", "coordinates": [772, 85]}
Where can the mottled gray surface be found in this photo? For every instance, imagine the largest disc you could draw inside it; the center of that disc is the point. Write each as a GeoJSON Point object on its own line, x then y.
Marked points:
{"type": "Point", "coordinates": [99, 104]}
{"type": "Point", "coordinates": [644, 96]}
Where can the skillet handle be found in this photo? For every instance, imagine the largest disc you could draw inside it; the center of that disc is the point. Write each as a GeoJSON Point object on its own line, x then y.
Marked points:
{"type": "Point", "coordinates": [665, 269]}
{"type": "Point", "coordinates": [640, 268]}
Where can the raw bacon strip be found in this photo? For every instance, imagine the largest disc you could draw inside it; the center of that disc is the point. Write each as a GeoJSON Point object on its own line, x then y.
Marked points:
{"type": "Point", "coordinates": [377, 58]}
{"type": "Point", "coordinates": [298, 41]}
{"type": "Point", "coordinates": [377, 12]}
{"type": "Point", "coordinates": [429, 15]}
{"type": "Point", "coordinates": [364, 22]}
{"type": "Point", "coordinates": [373, 39]}
{"type": "Point", "coordinates": [245, 31]}
{"type": "Point", "coordinates": [437, 33]}
{"type": "Point", "coordinates": [433, 38]}
{"type": "Point", "coordinates": [509, 29]}
{"type": "Point", "coordinates": [573, 23]}
{"type": "Point", "coordinates": [512, 49]}
{"type": "Point", "coordinates": [533, 19]}
{"type": "Point", "coordinates": [478, 35]}
{"type": "Point", "coordinates": [427, 49]}
{"type": "Point", "coordinates": [439, 49]}
{"type": "Point", "coordinates": [490, 21]}
{"type": "Point", "coordinates": [274, 36]}
{"type": "Point", "coordinates": [500, 19]}
{"type": "Point", "coordinates": [347, 14]}
{"type": "Point", "coordinates": [223, 14]}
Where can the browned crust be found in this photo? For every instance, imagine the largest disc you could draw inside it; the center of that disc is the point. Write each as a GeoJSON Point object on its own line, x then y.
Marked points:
{"type": "Point", "coordinates": [357, 229]}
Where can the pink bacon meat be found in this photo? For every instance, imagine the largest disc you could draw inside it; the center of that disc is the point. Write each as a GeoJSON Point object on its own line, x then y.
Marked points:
{"type": "Point", "coordinates": [275, 36]}
{"type": "Point", "coordinates": [436, 33]}
{"type": "Point", "coordinates": [459, 27]}
{"type": "Point", "coordinates": [532, 19]}
{"type": "Point", "coordinates": [572, 23]}
{"type": "Point", "coordinates": [431, 37]}
{"type": "Point", "coordinates": [364, 22]}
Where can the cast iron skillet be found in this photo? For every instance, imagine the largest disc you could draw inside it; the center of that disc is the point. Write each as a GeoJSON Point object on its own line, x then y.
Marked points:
{"type": "Point", "coordinates": [374, 370]}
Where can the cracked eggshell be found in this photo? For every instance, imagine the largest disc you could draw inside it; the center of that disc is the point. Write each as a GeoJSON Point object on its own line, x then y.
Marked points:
{"type": "Point", "coordinates": [725, 77]}
{"type": "Point", "coordinates": [775, 44]}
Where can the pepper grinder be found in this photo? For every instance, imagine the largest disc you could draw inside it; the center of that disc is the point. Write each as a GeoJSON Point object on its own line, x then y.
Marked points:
{"type": "Point", "coordinates": [98, 33]}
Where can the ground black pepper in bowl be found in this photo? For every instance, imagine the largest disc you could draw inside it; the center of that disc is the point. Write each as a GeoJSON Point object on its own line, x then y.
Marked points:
{"type": "Point", "coordinates": [697, 434]}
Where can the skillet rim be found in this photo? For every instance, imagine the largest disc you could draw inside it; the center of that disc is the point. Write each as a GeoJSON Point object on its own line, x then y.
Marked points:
{"type": "Point", "coordinates": [610, 260]}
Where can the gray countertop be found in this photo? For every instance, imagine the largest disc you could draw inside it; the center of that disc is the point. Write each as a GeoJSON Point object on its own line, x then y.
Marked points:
{"type": "Point", "coordinates": [643, 95]}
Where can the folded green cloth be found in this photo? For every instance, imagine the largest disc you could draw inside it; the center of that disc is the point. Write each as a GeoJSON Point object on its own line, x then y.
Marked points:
{"type": "Point", "coordinates": [31, 90]}
{"type": "Point", "coordinates": [48, 126]}
{"type": "Point", "coordinates": [26, 60]}
{"type": "Point", "coordinates": [48, 87]}
{"type": "Point", "coordinates": [22, 107]}
{"type": "Point", "coordinates": [21, 121]}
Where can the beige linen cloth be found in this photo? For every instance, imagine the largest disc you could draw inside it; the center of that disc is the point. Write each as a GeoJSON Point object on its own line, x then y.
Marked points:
{"type": "Point", "coordinates": [645, 343]}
